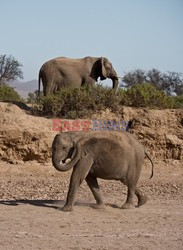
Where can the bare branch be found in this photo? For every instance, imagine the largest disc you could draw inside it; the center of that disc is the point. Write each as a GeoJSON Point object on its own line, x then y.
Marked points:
{"type": "Point", "coordinates": [10, 69]}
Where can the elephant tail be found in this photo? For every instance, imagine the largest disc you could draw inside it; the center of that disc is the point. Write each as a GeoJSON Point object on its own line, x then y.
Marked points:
{"type": "Point", "coordinates": [152, 172]}
{"type": "Point", "coordinates": [39, 83]}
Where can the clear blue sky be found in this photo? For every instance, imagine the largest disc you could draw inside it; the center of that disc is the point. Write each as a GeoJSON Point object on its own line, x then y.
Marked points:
{"type": "Point", "coordinates": [131, 33]}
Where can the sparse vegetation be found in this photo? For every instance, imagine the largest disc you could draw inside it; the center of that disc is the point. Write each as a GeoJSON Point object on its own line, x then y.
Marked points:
{"type": "Point", "coordinates": [147, 95]}
{"type": "Point", "coordinates": [33, 97]}
{"type": "Point", "coordinates": [83, 102]}
{"type": "Point", "coordinates": [74, 103]}
{"type": "Point", "coordinates": [8, 93]}
{"type": "Point", "coordinates": [169, 82]}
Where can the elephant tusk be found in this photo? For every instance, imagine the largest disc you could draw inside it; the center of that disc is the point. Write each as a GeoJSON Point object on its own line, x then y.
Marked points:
{"type": "Point", "coordinates": [66, 161]}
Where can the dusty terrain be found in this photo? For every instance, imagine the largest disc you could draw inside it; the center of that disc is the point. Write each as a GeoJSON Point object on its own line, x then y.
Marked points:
{"type": "Point", "coordinates": [32, 190]}
{"type": "Point", "coordinates": [29, 219]}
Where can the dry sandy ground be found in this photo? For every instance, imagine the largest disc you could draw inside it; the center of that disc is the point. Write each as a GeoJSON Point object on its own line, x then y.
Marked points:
{"type": "Point", "coordinates": [29, 219]}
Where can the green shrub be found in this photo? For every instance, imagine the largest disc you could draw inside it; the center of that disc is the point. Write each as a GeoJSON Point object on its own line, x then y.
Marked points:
{"type": "Point", "coordinates": [8, 93]}
{"type": "Point", "coordinates": [178, 101]}
{"type": "Point", "coordinates": [83, 102]}
{"type": "Point", "coordinates": [79, 102]}
{"type": "Point", "coordinates": [147, 95]}
{"type": "Point", "coordinates": [33, 97]}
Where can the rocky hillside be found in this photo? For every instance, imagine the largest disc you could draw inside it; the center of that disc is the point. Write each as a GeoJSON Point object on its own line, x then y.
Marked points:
{"type": "Point", "coordinates": [25, 138]}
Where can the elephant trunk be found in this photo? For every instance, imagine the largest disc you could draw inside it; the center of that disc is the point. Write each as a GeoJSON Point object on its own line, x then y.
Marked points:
{"type": "Point", "coordinates": [60, 166]}
{"type": "Point", "coordinates": [115, 84]}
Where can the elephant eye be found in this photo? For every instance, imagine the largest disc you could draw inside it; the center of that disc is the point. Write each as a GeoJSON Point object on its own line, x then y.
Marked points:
{"type": "Point", "coordinates": [64, 147]}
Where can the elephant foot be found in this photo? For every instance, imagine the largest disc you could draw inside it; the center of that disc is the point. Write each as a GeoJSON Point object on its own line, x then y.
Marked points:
{"type": "Point", "coordinates": [127, 206]}
{"type": "Point", "coordinates": [66, 208]}
{"type": "Point", "coordinates": [142, 200]}
{"type": "Point", "coordinates": [98, 206]}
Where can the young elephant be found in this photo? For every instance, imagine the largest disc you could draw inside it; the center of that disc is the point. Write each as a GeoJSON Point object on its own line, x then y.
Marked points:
{"type": "Point", "coordinates": [107, 155]}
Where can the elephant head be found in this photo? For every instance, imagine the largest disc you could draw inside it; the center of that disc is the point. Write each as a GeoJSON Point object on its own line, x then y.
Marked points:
{"type": "Point", "coordinates": [65, 154]}
{"type": "Point", "coordinates": [103, 68]}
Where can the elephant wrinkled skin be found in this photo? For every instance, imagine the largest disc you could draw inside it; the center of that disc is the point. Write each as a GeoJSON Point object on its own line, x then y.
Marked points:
{"type": "Point", "coordinates": [107, 155]}
{"type": "Point", "coordinates": [66, 72]}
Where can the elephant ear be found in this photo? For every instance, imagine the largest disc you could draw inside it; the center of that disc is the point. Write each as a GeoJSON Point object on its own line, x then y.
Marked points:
{"type": "Point", "coordinates": [85, 147]}
{"type": "Point", "coordinates": [83, 151]}
{"type": "Point", "coordinates": [103, 69]}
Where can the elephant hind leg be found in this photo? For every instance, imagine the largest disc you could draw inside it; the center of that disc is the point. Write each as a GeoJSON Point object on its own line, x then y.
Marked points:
{"type": "Point", "coordinates": [130, 197]}
{"type": "Point", "coordinates": [94, 187]}
{"type": "Point", "coordinates": [142, 198]}
{"type": "Point", "coordinates": [131, 193]}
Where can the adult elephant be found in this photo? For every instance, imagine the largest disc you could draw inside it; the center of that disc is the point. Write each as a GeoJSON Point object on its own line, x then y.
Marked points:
{"type": "Point", "coordinates": [111, 155]}
{"type": "Point", "coordinates": [66, 72]}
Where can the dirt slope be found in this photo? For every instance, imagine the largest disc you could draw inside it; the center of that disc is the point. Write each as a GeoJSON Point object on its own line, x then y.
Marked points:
{"type": "Point", "coordinates": [25, 137]}
{"type": "Point", "coordinates": [160, 131]}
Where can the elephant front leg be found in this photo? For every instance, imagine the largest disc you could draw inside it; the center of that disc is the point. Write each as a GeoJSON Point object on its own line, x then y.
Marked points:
{"type": "Point", "coordinates": [78, 175]}
{"type": "Point", "coordinates": [73, 188]}
{"type": "Point", "coordinates": [94, 187]}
